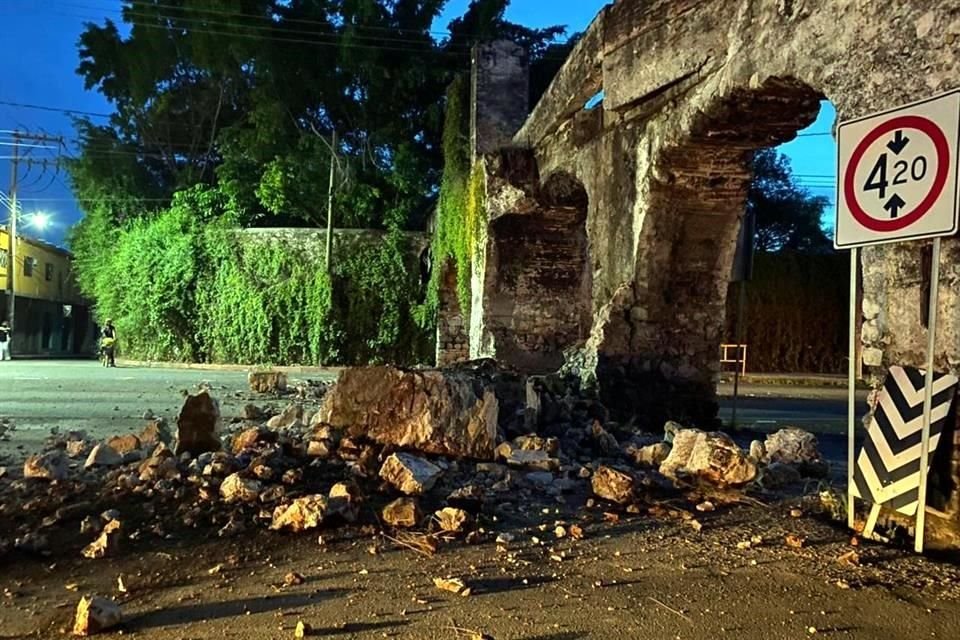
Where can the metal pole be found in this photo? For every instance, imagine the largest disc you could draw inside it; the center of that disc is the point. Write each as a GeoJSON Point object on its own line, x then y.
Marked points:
{"type": "Point", "coordinates": [333, 161]}
{"type": "Point", "coordinates": [928, 395]}
{"type": "Point", "coordinates": [741, 301]}
{"type": "Point", "coordinates": [12, 236]}
{"type": "Point", "coordinates": [852, 382]}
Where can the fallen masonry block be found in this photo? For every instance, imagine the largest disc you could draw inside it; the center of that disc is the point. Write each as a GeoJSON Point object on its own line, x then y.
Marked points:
{"type": "Point", "coordinates": [95, 615]}
{"type": "Point", "coordinates": [103, 455]}
{"type": "Point", "coordinates": [197, 425]}
{"type": "Point", "coordinates": [236, 488]}
{"type": "Point", "coordinates": [302, 514]}
{"type": "Point", "coordinates": [709, 457]}
{"type": "Point", "coordinates": [409, 474]}
{"type": "Point", "coordinates": [613, 485]}
{"type": "Point", "coordinates": [49, 466]}
{"type": "Point", "coordinates": [267, 381]}
{"type": "Point", "coordinates": [796, 447]}
{"type": "Point", "coordinates": [453, 412]}
{"type": "Point", "coordinates": [402, 513]}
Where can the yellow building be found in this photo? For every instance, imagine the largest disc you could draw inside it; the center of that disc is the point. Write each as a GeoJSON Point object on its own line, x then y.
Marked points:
{"type": "Point", "coordinates": [52, 318]}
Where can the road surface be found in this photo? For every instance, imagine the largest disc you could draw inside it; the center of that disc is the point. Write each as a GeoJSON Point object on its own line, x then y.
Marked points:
{"type": "Point", "coordinates": [771, 407]}
{"type": "Point", "coordinates": [80, 394]}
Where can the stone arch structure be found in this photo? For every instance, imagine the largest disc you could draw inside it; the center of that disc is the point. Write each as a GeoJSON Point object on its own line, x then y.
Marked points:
{"type": "Point", "coordinates": [690, 88]}
{"type": "Point", "coordinates": [535, 274]}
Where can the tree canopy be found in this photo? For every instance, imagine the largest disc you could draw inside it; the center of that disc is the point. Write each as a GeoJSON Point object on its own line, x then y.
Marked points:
{"type": "Point", "coordinates": [252, 96]}
{"type": "Point", "coordinates": [788, 217]}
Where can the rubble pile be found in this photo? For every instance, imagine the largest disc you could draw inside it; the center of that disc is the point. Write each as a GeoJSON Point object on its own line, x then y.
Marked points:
{"type": "Point", "coordinates": [442, 451]}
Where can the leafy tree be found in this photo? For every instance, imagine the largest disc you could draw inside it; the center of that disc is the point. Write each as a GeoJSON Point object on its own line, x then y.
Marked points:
{"type": "Point", "coordinates": [788, 217]}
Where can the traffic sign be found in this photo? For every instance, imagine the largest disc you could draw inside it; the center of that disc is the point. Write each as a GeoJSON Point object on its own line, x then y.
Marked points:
{"type": "Point", "coordinates": [897, 174]}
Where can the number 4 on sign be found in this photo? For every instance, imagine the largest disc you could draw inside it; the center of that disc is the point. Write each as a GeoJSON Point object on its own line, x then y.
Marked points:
{"type": "Point", "coordinates": [877, 180]}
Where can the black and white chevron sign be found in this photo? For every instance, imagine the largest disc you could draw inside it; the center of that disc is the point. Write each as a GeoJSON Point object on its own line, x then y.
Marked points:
{"type": "Point", "coordinates": [888, 466]}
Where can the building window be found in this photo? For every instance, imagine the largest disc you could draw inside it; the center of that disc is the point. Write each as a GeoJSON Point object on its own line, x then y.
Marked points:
{"type": "Point", "coordinates": [48, 271]}
{"type": "Point", "coordinates": [4, 257]}
{"type": "Point", "coordinates": [29, 264]}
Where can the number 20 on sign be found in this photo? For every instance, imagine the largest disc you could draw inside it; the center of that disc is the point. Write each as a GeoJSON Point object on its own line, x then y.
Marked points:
{"type": "Point", "coordinates": [897, 174]}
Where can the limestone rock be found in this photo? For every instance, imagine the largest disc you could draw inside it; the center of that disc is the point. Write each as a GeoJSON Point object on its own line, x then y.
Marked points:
{"type": "Point", "coordinates": [49, 466]}
{"type": "Point", "coordinates": [537, 443]}
{"type": "Point", "coordinates": [401, 513]}
{"type": "Point", "coordinates": [319, 449]}
{"type": "Point", "coordinates": [107, 544]}
{"type": "Point", "coordinates": [302, 514]}
{"type": "Point", "coordinates": [795, 447]}
{"type": "Point", "coordinates": [236, 488]}
{"type": "Point", "coordinates": [603, 440]}
{"type": "Point", "coordinates": [344, 501]}
{"type": "Point", "coordinates": [77, 448]}
{"type": "Point", "coordinates": [651, 455]}
{"type": "Point", "coordinates": [197, 425]}
{"type": "Point", "coordinates": [251, 438]}
{"type": "Point", "coordinates": [709, 457]}
{"type": "Point", "coordinates": [757, 451]}
{"type": "Point", "coordinates": [103, 455]}
{"type": "Point", "coordinates": [96, 614]}
{"type": "Point", "coordinates": [267, 381]}
{"type": "Point", "coordinates": [291, 416]}
{"type": "Point", "coordinates": [451, 519]}
{"type": "Point", "coordinates": [124, 444]}
{"type": "Point", "coordinates": [410, 474]}
{"type": "Point", "coordinates": [613, 485]}
{"type": "Point", "coordinates": [155, 432]}
{"type": "Point", "coordinates": [526, 459]}
{"type": "Point", "coordinates": [441, 411]}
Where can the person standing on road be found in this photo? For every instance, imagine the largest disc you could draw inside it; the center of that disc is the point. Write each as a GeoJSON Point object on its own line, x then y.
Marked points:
{"type": "Point", "coordinates": [6, 337]}
{"type": "Point", "coordinates": [108, 340]}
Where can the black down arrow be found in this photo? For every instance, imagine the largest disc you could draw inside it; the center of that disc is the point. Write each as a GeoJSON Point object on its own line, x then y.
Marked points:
{"type": "Point", "coordinates": [894, 204]}
{"type": "Point", "coordinates": [898, 143]}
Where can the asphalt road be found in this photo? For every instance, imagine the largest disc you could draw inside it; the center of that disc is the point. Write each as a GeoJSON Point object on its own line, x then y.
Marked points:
{"type": "Point", "coordinates": [77, 394]}
{"type": "Point", "coordinates": [771, 407]}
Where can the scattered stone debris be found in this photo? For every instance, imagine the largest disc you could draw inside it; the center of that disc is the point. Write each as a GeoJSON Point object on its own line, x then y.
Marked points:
{"type": "Point", "coordinates": [794, 541]}
{"type": "Point", "coordinates": [107, 543]}
{"type": "Point", "coordinates": [302, 630]}
{"type": "Point", "coordinates": [95, 615]}
{"type": "Point", "coordinates": [291, 417]}
{"type": "Point", "coordinates": [237, 488]}
{"type": "Point", "coordinates": [452, 520]}
{"type": "Point", "coordinates": [302, 514]}
{"type": "Point", "coordinates": [797, 448]}
{"type": "Point", "coordinates": [402, 513]}
{"type": "Point", "coordinates": [615, 486]}
{"type": "Point", "coordinates": [453, 585]}
{"type": "Point", "coordinates": [48, 466]}
{"type": "Point", "coordinates": [409, 474]}
{"type": "Point", "coordinates": [103, 455]}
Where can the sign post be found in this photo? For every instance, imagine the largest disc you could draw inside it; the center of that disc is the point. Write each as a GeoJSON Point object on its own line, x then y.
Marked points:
{"type": "Point", "coordinates": [897, 181]}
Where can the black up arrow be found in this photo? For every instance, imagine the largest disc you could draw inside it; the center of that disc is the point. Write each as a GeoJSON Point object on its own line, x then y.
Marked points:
{"type": "Point", "coordinates": [898, 143]}
{"type": "Point", "coordinates": [894, 204]}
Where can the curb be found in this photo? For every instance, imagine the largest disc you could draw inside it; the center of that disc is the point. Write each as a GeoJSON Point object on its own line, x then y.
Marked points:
{"type": "Point", "coordinates": [289, 370]}
{"type": "Point", "coordinates": [786, 380]}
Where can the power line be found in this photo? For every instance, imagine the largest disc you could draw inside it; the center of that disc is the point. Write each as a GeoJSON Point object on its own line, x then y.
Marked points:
{"type": "Point", "coordinates": [21, 105]}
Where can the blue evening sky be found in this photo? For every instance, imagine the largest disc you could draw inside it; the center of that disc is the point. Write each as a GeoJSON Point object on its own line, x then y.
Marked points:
{"type": "Point", "coordinates": [40, 38]}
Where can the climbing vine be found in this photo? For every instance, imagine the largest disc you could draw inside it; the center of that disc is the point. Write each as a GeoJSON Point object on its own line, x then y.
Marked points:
{"type": "Point", "coordinates": [186, 284]}
{"type": "Point", "coordinates": [460, 207]}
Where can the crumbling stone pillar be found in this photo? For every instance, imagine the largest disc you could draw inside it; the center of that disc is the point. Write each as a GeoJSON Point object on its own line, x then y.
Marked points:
{"type": "Point", "coordinates": [453, 341]}
{"type": "Point", "coordinates": [500, 91]}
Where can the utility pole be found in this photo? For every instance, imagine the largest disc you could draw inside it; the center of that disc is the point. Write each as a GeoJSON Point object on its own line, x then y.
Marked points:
{"type": "Point", "coordinates": [30, 140]}
{"type": "Point", "coordinates": [12, 233]}
{"type": "Point", "coordinates": [333, 162]}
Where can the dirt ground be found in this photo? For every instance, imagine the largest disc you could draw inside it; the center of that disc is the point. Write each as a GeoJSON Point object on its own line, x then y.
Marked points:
{"type": "Point", "coordinates": [641, 577]}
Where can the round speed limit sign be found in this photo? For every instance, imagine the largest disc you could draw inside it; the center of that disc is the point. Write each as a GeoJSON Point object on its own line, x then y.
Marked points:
{"type": "Point", "coordinates": [897, 174]}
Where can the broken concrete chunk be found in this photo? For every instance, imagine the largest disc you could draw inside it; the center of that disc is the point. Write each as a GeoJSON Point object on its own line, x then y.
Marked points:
{"type": "Point", "coordinates": [452, 520]}
{"type": "Point", "coordinates": [402, 513]}
{"type": "Point", "coordinates": [103, 455]}
{"type": "Point", "coordinates": [49, 466]}
{"type": "Point", "coordinates": [95, 615]}
{"type": "Point", "coordinates": [709, 457]}
{"type": "Point", "coordinates": [236, 488]}
{"type": "Point", "coordinates": [613, 485]}
{"type": "Point", "coordinates": [445, 412]}
{"type": "Point", "coordinates": [107, 544]}
{"type": "Point", "coordinates": [197, 425]}
{"type": "Point", "coordinates": [302, 514]}
{"type": "Point", "coordinates": [267, 381]}
{"type": "Point", "coordinates": [410, 474]}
